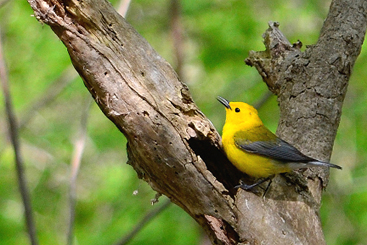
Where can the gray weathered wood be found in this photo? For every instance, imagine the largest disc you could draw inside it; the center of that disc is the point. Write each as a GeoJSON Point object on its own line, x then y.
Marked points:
{"type": "Point", "coordinates": [175, 148]}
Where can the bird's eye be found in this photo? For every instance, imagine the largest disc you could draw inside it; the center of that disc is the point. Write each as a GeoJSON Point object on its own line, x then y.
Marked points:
{"type": "Point", "coordinates": [237, 110]}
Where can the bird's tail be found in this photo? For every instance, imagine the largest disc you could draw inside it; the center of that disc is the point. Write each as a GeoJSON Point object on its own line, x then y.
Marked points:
{"type": "Point", "coordinates": [326, 164]}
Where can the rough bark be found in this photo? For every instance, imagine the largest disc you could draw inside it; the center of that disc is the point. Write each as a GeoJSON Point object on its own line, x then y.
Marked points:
{"type": "Point", "coordinates": [175, 148]}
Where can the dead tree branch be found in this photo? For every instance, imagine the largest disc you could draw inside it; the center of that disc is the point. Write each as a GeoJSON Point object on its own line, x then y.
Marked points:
{"type": "Point", "coordinates": [175, 148]}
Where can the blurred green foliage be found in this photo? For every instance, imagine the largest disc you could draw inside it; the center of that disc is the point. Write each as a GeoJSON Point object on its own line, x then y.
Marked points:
{"type": "Point", "coordinates": [217, 38]}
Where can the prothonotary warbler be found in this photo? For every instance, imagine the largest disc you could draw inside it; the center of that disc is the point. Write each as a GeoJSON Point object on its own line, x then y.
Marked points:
{"type": "Point", "coordinates": [255, 150]}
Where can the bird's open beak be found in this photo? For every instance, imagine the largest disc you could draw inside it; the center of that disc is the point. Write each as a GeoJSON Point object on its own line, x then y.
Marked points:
{"type": "Point", "coordinates": [224, 102]}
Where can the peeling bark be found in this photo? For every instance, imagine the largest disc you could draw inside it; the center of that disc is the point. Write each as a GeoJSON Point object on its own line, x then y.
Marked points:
{"type": "Point", "coordinates": [176, 149]}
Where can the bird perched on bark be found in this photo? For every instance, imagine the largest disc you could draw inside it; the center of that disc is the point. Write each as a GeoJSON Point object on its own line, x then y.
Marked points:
{"type": "Point", "coordinates": [255, 150]}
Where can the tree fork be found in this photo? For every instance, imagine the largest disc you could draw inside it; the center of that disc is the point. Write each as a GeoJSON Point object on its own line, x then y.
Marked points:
{"type": "Point", "coordinates": [171, 144]}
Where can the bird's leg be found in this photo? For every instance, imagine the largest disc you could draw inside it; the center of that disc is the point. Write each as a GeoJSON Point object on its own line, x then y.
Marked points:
{"type": "Point", "coordinates": [249, 187]}
{"type": "Point", "coordinates": [267, 188]}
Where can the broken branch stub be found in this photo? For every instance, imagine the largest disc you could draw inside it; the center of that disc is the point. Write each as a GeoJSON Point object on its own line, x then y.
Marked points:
{"type": "Point", "coordinates": [269, 62]}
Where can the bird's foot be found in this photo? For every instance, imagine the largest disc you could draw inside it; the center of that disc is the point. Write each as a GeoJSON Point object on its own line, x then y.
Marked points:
{"type": "Point", "coordinates": [249, 187]}
{"type": "Point", "coordinates": [246, 187]}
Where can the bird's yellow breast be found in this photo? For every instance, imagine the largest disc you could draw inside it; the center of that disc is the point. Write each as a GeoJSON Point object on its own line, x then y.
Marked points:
{"type": "Point", "coordinates": [252, 164]}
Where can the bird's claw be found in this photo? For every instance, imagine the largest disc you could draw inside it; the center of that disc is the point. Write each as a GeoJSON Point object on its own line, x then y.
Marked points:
{"type": "Point", "coordinates": [245, 187]}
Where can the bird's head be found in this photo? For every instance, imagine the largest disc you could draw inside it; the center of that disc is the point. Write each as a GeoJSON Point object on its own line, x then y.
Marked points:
{"type": "Point", "coordinates": [240, 113]}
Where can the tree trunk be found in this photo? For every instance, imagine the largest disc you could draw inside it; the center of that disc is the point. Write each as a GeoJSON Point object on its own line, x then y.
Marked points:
{"type": "Point", "coordinates": [176, 149]}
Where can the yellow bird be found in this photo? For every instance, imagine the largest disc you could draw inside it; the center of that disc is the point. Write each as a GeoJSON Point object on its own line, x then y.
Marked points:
{"type": "Point", "coordinates": [255, 150]}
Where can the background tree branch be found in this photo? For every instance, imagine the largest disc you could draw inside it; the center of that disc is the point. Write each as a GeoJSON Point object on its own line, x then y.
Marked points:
{"type": "Point", "coordinates": [175, 148]}
{"type": "Point", "coordinates": [13, 134]}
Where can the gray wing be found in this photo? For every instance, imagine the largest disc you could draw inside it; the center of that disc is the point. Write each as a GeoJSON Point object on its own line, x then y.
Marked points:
{"type": "Point", "coordinates": [277, 149]}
